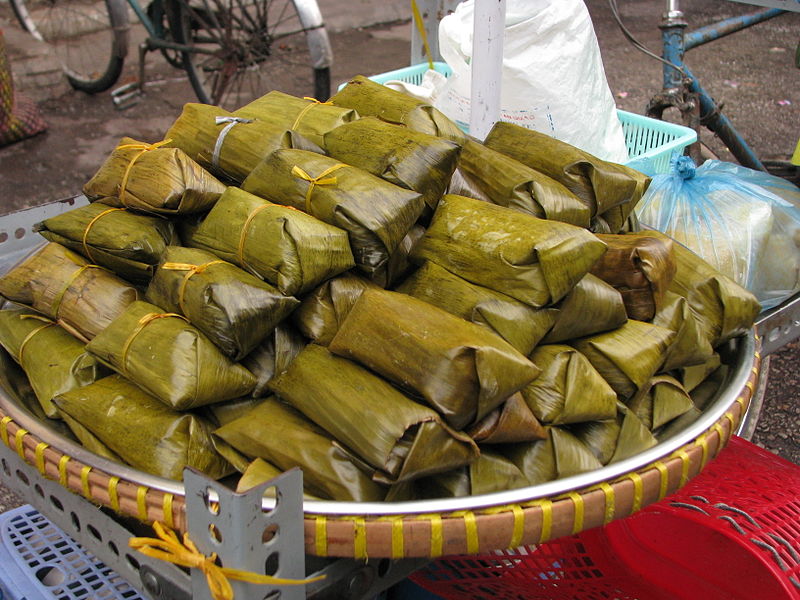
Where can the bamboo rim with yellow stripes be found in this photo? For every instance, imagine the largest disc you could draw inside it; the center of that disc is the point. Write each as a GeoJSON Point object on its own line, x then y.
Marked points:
{"type": "Point", "coordinates": [427, 528]}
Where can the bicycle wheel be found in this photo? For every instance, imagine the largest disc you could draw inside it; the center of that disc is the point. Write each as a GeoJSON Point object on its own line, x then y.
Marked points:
{"type": "Point", "coordinates": [241, 49]}
{"type": "Point", "coordinates": [89, 37]}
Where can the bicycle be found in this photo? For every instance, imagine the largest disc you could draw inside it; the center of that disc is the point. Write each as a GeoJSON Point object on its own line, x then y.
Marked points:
{"type": "Point", "coordinates": [232, 50]}
{"type": "Point", "coordinates": [682, 90]}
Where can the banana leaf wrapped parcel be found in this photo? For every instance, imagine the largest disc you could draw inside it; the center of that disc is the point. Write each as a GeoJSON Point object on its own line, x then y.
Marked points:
{"type": "Point", "coordinates": [612, 190]}
{"type": "Point", "coordinates": [260, 471]}
{"type": "Point", "coordinates": [641, 268]}
{"type": "Point", "coordinates": [228, 145]}
{"type": "Point", "coordinates": [53, 360]}
{"type": "Point", "coordinates": [144, 432]}
{"type": "Point", "coordinates": [510, 423]}
{"type": "Point", "coordinates": [399, 438]}
{"type": "Point", "coordinates": [459, 368]}
{"type": "Point", "coordinates": [376, 214]}
{"type": "Point", "coordinates": [507, 182]}
{"type": "Point", "coordinates": [519, 324]}
{"type": "Point", "coordinates": [660, 401]}
{"type": "Point", "coordinates": [617, 438]}
{"type": "Point", "coordinates": [236, 310]}
{"type": "Point", "coordinates": [569, 389]}
{"type": "Point", "coordinates": [307, 116]}
{"type": "Point", "coordinates": [128, 244]}
{"type": "Point", "coordinates": [281, 435]}
{"type": "Point", "coordinates": [153, 179]}
{"type": "Point", "coordinates": [291, 250]}
{"type": "Point", "coordinates": [169, 358]}
{"type": "Point", "coordinates": [61, 284]}
{"type": "Point", "coordinates": [273, 356]}
{"type": "Point", "coordinates": [409, 159]}
{"type": "Point", "coordinates": [533, 260]}
{"type": "Point", "coordinates": [690, 346]}
{"type": "Point", "coordinates": [372, 99]}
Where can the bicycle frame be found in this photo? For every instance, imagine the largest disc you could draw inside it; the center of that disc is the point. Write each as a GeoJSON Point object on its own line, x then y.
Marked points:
{"type": "Point", "coordinates": [682, 90]}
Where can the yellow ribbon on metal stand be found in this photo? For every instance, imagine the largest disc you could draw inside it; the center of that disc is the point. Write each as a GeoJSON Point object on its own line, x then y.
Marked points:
{"type": "Point", "coordinates": [169, 548]}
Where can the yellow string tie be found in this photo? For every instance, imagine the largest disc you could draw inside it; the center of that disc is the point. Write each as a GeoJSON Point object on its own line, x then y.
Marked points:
{"type": "Point", "coordinates": [608, 515]}
{"type": "Point", "coordinates": [141, 502]}
{"type": "Point", "coordinates": [312, 103]}
{"type": "Point", "coordinates": [685, 460]}
{"type": "Point", "coordinates": [422, 33]}
{"type": "Point", "coordinates": [638, 492]}
{"type": "Point", "coordinates": [721, 433]}
{"type": "Point", "coordinates": [33, 332]}
{"type": "Point", "coordinates": [437, 536]}
{"type": "Point", "coordinates": [360, 538]}
{"type": "Point", "coordinates": [63, 475]}
{"type": "Point", "coordinates": [19, 439]}
{"type": "Point", "coordinates": [547, 520]}
{"type": "Point", "coordinates": [191, 270]}
{"type": "Point", "coordinates": [91, 223]}
{"type": "Point", "coordinates": [471, 529]}
{"type": "Point", "coordinates": [662, 489]}
{"type": "Point", "coordinates": [4, 429]}
{"type": "Point", "coordinates": [321, 538]}
{"type": "Point", "coordinates": [85, 485]}
{"type": "Point", "coordinates": [398, 545]}
{"type": "Point", "coordinates": [113, 493]}
{"type": "Point", "coordinates": [39, 454]}
{"type": "Point", "coordinates": [140, 325]}
{"type": "Point", "coordinates": [732, 428]}
{"type": "Point", "coordinates": [166, 507]}
{"type": "Point", "coordinates": [318, 180]}
{"type": "Point", "coordinates": [142, 148]}
{"type": "Point", "coordinates": [168, 547]}
{"type": "Point", "coordinates": [702, 441]}
{"type": "Point", "coordinates": [243, 236]}
{"type": "Point", "coordinates": [577, 500]}
{"type": "Point", "coordinates": [56, 305]}
{"type": "Point", "coordinates": [519, 526]}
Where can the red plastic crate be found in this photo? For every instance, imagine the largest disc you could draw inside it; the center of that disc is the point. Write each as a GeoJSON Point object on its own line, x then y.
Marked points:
{"type": "Point", "coordinates": [732, 533]}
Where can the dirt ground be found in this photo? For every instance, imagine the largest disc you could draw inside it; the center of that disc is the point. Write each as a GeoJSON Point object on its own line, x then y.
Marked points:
{"type": "Point", "coordinates": [751, 71]}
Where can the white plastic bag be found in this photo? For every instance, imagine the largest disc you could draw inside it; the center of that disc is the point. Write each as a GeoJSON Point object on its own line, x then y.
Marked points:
{"type": "Point", "coordinates": [553, 79]}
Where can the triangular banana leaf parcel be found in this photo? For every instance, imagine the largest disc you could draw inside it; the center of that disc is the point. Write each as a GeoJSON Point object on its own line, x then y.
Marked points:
{"type": "Point", "coordinates": [236, 310]}
{"type": "Point", "coordinates": [273, 356]}
{"type": "Point", "coordinates": [558, 456]}
{"type": "Point", "coordinates": [690, 346]}
{"type": "Point", "coordinates": [618, 438]}
{"type": "Point", "coordinates": [144, 432]}
{"type": "Point", "coordinates": [64, 286]}
{"type": "Point", "coordinates": [510, 423]}
{"type": "Point", "coordinates": [491, 472]}
{"type": "Point", "coordinates": [660, 401]}
{"type": "Point", "coordinates": [612, 190]}
{"type": "Point", "coordinates": [292, 250]}
{"type": "Point", "coordinates": [53, 360]}
{"type": "Point", "coordinates": [409, 159]}
{"type": "Point", "coordinates": [376, 214]}
{"type": "Point", "coordinates": [459, 368]}
{"type": "Point", "coordinates": [535, 261]}
{"type": "Point", "coordinates": [169, 358]}
{"type": "Point", "coordinates": [282, 436]}
{"type": "Point", "coordinates": [128, 244]}
{"type": "Point", "coordinates": [153, 179]}
{"type": "Point", "coordinates": [398, 437]}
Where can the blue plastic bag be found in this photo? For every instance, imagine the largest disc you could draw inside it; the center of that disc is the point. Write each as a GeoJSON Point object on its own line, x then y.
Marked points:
{"type": "Point", "coordinates": [745, 223]}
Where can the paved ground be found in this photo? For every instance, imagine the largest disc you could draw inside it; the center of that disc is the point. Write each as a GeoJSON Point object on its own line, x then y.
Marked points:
{"type": "Point", "coordinates": [751, 71]}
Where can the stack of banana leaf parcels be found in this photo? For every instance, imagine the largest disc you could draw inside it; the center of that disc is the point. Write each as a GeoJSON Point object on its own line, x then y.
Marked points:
{"type": "Point", "coordinates": [358, 289]}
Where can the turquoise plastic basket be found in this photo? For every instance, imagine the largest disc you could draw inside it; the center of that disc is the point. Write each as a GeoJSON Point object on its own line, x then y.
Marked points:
{"type": "Point", "coordinates": [651, 143]}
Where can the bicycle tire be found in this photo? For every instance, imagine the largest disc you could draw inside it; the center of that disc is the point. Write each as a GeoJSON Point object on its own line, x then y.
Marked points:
{"type": "Point", "coordinates": [88, 37]}
{"type": "Point", "coordinates": [242, 49]}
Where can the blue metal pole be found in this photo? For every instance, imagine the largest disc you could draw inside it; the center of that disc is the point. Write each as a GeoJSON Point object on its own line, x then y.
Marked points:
{"type": "Point", "coordinates": [715, 31]}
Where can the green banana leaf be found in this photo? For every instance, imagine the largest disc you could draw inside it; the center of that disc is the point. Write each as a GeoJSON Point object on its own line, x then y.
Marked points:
{"type": "Point", "coordinates": [169, 358]}
{"type": "Point", "coordinates": [222, 413]}
{"type": "Point", "coordinates": [519, 324]}
{"type": "Point", "coordinates": [491, 472]}
{"type": "Point", "coordinates": [233, 308]}
{"type": "Point", "coordinates": [145, 433]}
{"type": "Point", "coordinates": [628, 356]}
{"type": "Point", "coordinates": [153, 179]}
{"type": "Point", "coordinates": [372, 99]}
{"type": "Point", "coordinates": [560, 455]}
{"type": "Point", "coordinates": [273, 356]}
{"type": "Point", "coordinates": [507, 182]}
{"type": "Point", "coordinates": [510, 423]}
{"type": "Point", "coordinates": [535, 261]}
{"type": "Point", "coordinates": [399, 264]}
{"type": "Point", "coordinates": [406, 158]}
{"type": "Point", "coordinates": [62, 285]}
{"type": "Point", "coordinates": [309, 117]}
{"type": "Point", "coordinates": [591, 307]}
{"type": "Point", "coordinates": [282, 436]}
{"type": "Point", "coordinates": [612, 190]}
{"type": "Point", "coordinates": [569, 389]}
{"type": "Point", "coordinates": [128, 244]}
{"type": "Point", "coordinates": [89, 440]}
{"type": "Point", "coordinates": [723, 308]}
{"type": "Point", "coordinates": [260, 471]}
{"type": "Point", "coordinates": [678, 424]}
{"type": "Point", "coordinates": [660, 401]}
{"type": "Point", "coordinates": [53, 360]}
{"type": "Point", "coordinates": [322, 311]}
{"type": "Point", "coordinates": [617, 438]}
{"type": "Point", "coordinates": [641, 268]}
{"type": "Point", "coordinates": [291, 250]}
{"type": "Point", "coordinates": [690, 346]}
{"type": "Point", "coordinates": [459, 368]}
{"type": "Point", "coordinates": [692, 376]}
{"type": "Point", "coordinates": [376, 214]}
{"type": "Point", "coordinates": [398, 437]}
{"type": "Point", "coordinates": [228, 145]}
{"type": "Point", "coordinates": [708, 389]}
